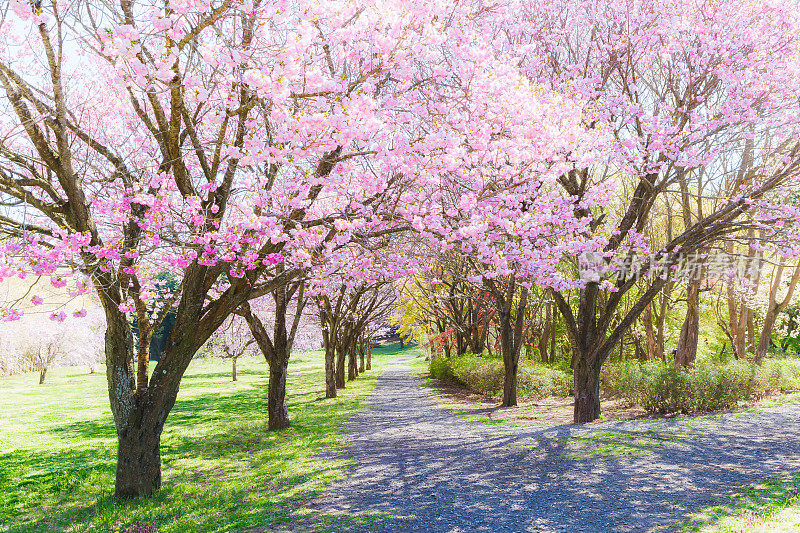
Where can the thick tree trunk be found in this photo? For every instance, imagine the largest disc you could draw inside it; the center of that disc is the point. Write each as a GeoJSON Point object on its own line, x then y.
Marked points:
{"type": "Point", "coordinates": [766, 335]}
{"type": "Point", "coordinates": [42, 372]}
{"type": "Point", "coordinates": [510, 382]}
{"type": "Point", "coordinates": [686, 351]}
{"type": "Point", "coordinates": [587, 389]}
{"type": "Point", "coordinates": [139, 461]}
{"type": "Point", "coordinates": [330, 371]}
{"type": "Point", "coordinates": [361, 362]}
{"type": "Point", "coordinates": [480, 337]}
{"type": "Point", "coordinates": [330, 363]}
{"type": "Point", "coordinates": [369, 356]}
{"type": "Point", "coordinates": [341, 358]}
{"type": "Point", "coordinates": [352, 364]}
{"type": "Point", "coordinates": [462, 342]}
{"type": "Point", "coordinates": [511, 339]}
{"type": "Point", "coordinates": [233, 369]}
{"type": "Point", "coordinates": [276, 402]}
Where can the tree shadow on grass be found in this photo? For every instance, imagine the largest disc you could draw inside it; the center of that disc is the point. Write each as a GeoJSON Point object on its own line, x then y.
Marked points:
{"type": "Point", "coordinates": [222, 468]}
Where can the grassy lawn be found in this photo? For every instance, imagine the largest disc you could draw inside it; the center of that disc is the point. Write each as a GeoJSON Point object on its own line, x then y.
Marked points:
{"type": "Point", "coordinates": [418, 364]}
{"type": "Point", "coordinates": [222, 471]}
{"type": "Point", "coordinates": [769, 507]}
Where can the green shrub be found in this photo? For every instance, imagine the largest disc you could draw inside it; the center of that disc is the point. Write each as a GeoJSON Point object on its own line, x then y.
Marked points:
{"type": "Point", "coordinates": [782, 374]}
{"type": "Point", "coordinates": [480, 374]}
{"type": "Point", "coordinates": [540, 381]}
{"type": "Point", "coordinates": [485, 375]}
{"type": "Point", "coordinates": [660, 388]}
{"type": "Point", "coordinates": [440, 369]}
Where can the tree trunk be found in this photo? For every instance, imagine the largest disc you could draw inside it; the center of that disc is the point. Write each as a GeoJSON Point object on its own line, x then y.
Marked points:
{"type": "Point", "coordinates": [143, 361]}
{"type": "Point", "coordinates": [139, 461]}
{"type": "Point", "coordinates": [479, 341]}
{"type": "Point", "coordinates": [510, 381]}
{"type": "Point", "coordinates": [369, 356]}
{"type": "Point", "coordinates": [42, 372]}
{"type": "Point", "coordinates": [330, 372]}
{"type": "Point", "coordinates": [361, 362]}
{"type": "Point", "coordinates": [660, 335]}
{"type": "Point", "coordinates": [650, 333]}
{"type": "Point", "coordinates": [511, 339]}
{"type": "Point", "coordinates": [233, 369]}
{"type": "Point", "coordinates": [751, 332]}
{"type": "Point", "coordinates": [276, 402]}
{"type": "Point", "coordinates": [686, 351]}
{"type": "Point", "coordinates": [736, 333]}
{"type": "Point", "coordinates": [766, 335]}
{"type": "Point", "coordinates": [341, 358]}
{"type": "Point", "coordinates": [544, 337]}
{"type": "Point", "coordinates": [330, 366]}
{"type": "Point", "coordinates": [352, 361]}
{"type": "Point", "coordinates": [587, 390]}
{"type": "Point", "coordinates": [774, 308]}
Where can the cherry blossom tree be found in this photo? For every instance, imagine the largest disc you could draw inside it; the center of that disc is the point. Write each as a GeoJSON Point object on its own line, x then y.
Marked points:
{"type": "Point", "coordinates": [701, 101]}
{"type": "Point", "coordinates": [234, 144]}
{"type": "Point", "coordinates": [232, 341]}
{"type": "Point", "coordinates": [40, 342]}
{"type": "Point", "coordinates": [287, 307]}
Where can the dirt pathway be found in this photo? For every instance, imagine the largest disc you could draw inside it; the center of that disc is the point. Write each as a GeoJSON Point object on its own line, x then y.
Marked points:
{"type": "Point", "coordinates": [420, 468]}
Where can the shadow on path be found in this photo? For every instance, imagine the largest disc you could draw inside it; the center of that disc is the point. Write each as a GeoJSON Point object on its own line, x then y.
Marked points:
{"type": "Point", "coordinates": [435, 472]}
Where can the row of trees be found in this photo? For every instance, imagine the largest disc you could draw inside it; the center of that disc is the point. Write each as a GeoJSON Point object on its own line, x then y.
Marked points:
{"type": "Point", "coordinates": [283, 151]}
{"type": "Point", "coordinates": [744, 309]}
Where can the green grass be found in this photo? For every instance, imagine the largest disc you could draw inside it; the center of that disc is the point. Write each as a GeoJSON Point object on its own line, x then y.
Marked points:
{"type": "Point", "coordinates": [222, 470]}
{"type": "Point", "coordinates": [419, 366]}
{"type": "Point", "coordinates": [768, 507]}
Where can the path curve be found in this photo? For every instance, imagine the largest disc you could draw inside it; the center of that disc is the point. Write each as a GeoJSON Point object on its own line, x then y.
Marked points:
{"type": "Point", "coordinates": [429, 470]}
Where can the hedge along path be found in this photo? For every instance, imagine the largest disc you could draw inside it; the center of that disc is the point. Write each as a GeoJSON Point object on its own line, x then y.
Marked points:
{"type": "Point", "coordinates": [418, 467]}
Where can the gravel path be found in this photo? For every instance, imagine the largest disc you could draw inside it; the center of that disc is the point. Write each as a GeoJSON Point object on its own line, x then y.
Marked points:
{"type": "Point", "coordinates": [423, 469]}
